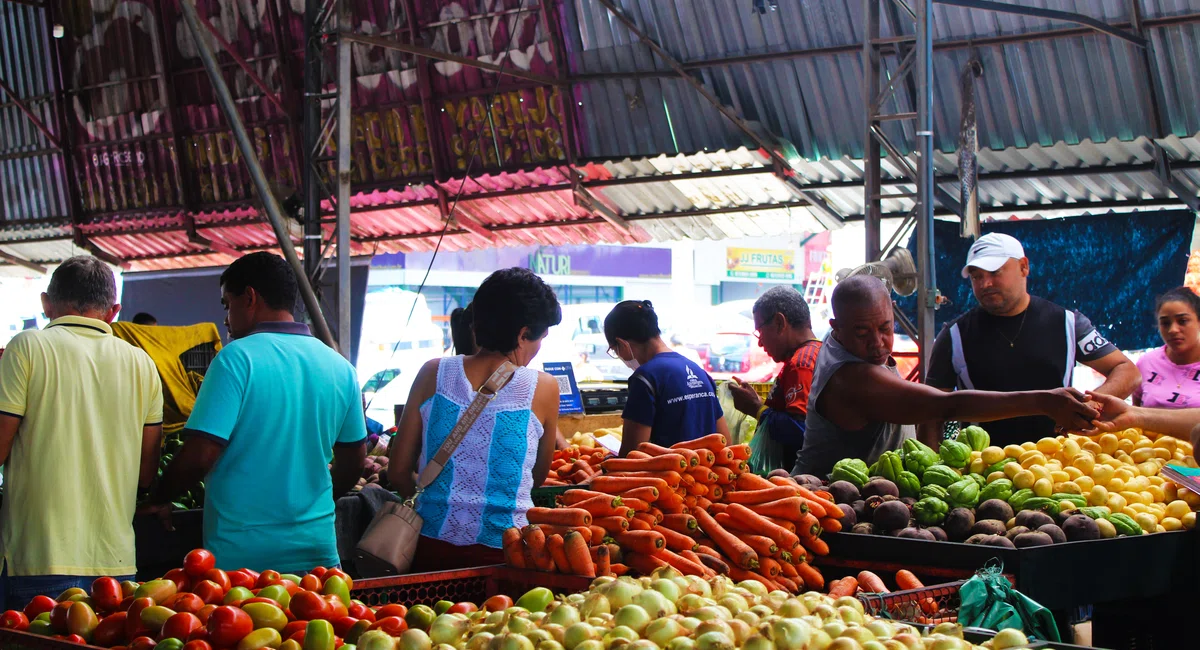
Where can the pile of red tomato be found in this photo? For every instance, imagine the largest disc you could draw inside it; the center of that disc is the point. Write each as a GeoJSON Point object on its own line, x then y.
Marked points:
{"type": "Point", "coordinates": [200, 607]}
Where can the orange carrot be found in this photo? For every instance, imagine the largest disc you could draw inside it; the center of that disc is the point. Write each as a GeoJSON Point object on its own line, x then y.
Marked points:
{"type": "Point", "coordinates": [788, 570]}
{"type": "Point", "coordinates": [638, 455]}
{"type": "Point", "coordinates": [740, 452]}
{"type": "Point", "coordinates": [581, 476]}
{"type": "Point", "coordinates": [782, 523]}
{"type": "Point", "coordinates": [697, 489]}
{"type": "Point", "coordinates": [749, 481]}
{"type": "Point", "coordinates": [554, 544]}
{"type": "Point", "coordinates": [535, 542]}
{"type": "Point", "coordinates": [758, 496]}
{"type": "Point", "coordinates": [685, 524]}
{"type": "Point", "coordinates": [669, 501]}
{"type": "Point", "coordinates": [559, 516]}
{"type": "Point", "coordinates": [768, 567]}
{"type": "Point", "coordinates": [707, 457]}
{"type": "Point", "coordinates": [548, 529]}
{"type": "Point", "coordinates": [686, 480]}
{"type": "Point", "coordinates": [761, 545]}
{"type": "Point", "coordinates": [637, 505]}
{"type": "Point", "coordinates": [684, 565]}
{"type": "Point", "coordinates": [598, 533]}
{"type": "Point", "coordinates": [738, 467]}
{"type": "Point", "coordinates": [613, 525]}
{"type": "Point", "coordinates": [817, 545]}
{"type": "Point", "coordinates": [847, 586]}
{"type": "Point", "coordinates": [713, 441]}
{"type": "Point", "coordinates": [644, 563]}
{"type": "Point", "coordinates": [577, 495]}
{"type": "Point", "coordinates": [808, 525]}
{"type": "Point", "coordinates": [676, 541]}
{"type": "Point", "coordinates": [716, 491]}
{"type": "Point", "coordinates": [647, 517]}
{"type": "Point", "coordinates": [783, 537]}
{"type": "Point", "coordinates": [706, 547]}
{"type": "Point", "coordinates": [601, 560]}
{"type": "Point", "coordinates": [715, 563]}
{"type": "Point", "coordinates": [640, 524]}
{"type": "Point", "coordinates": [905, 579]}
{"type": "Point", "coordinates": [689, 502]}
{"type": "Point", "coordinates": [791, 508]}
{"type": "Point", "coordinates": [604, 506]}
{"type": "Point", "coordinates": [619, 484]}
{"type": "Point", "coordinates": [787, 584]}
{"type": "Point", "coordinates": [703, 474]}
{"type": "Point", "coordinates": [737, 550]}
{"type": "Point", "coordinates": [725, 476]}
{"type": "Point", "coordinates": [647, 493]}
{"type": "Point", "coordinates": [669, 462]}
{"type": "Point", "coordinates": [724, 456]}
{"type": "Point", "coordinates": [871, 583]}
{"type": "Point", "coordinates": [641, 541]}
{"type": "Point", "coordinates": [829, 524]}
{"type": "Point", "coordinates": [811, 576]}
{"type": "Point", "coordinates": [692, 457]}
{"type": "Point", "coordinates": [579, 560]}
{"type": "Point", "coordinates": [513, 552]}
{"type": "Point", "coordinates": [618, 569]}
{"type": "Point", "coordinates": [827, 503]}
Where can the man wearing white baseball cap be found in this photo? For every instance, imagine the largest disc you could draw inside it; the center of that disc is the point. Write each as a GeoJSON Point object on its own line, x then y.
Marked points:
{"type": "Point", "coordinates": [1016, 342]}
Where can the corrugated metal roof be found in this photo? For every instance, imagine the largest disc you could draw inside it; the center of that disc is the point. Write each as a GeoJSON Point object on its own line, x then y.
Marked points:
{"type": "Point", "coordinates": [1041, 92]}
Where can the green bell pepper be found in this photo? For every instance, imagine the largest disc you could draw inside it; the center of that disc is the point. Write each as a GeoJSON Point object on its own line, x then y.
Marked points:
{"type": "Point", "coordinates": [935, 491]}
{"type": "Point", "coordinates": [999, 489]}
{"type": "Point", "coordinates": [918, 457]}
{"type": "Point", "coordinates": [908, 483]}
{"type": "Point", "coordinates": [851, 470]}
{"type": "Point", "coordinates": [1019, 498]}
{"type": "Point", "coordinates": [930, 511]}
{"type": "Point", "coordinates": [963, 494]}
{"type": "Point", "coordinates": [940, 475]}
{"type": "Point", "coordinates": [1044, 504]}
{"type": "Point", "coordinates": [1125, 524]}
{"type": "Point", "coordinates": [954, 453]}
{"type": "Point", "coordinates": [975, 438]}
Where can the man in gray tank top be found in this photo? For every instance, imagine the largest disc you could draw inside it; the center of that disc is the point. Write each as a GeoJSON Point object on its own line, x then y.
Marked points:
{"type": "Point", "coordinates": [860, 407]}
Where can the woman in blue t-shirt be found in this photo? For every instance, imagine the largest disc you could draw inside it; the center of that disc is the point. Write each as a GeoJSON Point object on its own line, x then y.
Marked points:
{"type": "Point", "coordinates": [671, 399]}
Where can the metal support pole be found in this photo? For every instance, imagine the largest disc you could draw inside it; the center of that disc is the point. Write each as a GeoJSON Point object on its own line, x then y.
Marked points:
{"type": "Point", "coordinates": [270, 205]}
{"type": "Point", "coordinates": [927, 281]}
{"type": "Point", "coordinates": [313, 82]}
{"type": "Point", "coordinates": [872, 172]}
{"type": "Point", "coordinates": [343, 183]}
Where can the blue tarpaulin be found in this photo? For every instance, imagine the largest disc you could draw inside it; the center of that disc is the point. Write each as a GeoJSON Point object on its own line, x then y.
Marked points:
{"type": "Point", "coordinates": [1109, 267]}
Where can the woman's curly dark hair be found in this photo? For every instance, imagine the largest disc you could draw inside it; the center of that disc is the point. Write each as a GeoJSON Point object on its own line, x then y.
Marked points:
{"type": "Point", "coordinates": [509, 300]}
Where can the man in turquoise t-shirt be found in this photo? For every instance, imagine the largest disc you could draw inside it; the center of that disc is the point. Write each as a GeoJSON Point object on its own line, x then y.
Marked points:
{"type": "Point", "coordinates": [275, 408]}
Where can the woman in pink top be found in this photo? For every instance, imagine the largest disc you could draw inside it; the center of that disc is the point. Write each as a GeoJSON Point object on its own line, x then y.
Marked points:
{"type": "Point", "coordinates": [1171, 374]}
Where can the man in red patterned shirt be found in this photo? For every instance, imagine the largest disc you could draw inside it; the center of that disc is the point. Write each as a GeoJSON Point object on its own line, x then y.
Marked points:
{"type": "Point", "coordinates": [783, 326]}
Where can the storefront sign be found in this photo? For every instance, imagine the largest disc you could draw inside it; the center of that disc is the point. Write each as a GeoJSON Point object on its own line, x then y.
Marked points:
{"type": "Point", "coordinates": [607, 261]}
{"type": "Point", "coordinates": [760, 264]}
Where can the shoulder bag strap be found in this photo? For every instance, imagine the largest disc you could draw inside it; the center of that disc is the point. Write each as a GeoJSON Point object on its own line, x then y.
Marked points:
{"type": "Point", "coordinates": [486, 394]}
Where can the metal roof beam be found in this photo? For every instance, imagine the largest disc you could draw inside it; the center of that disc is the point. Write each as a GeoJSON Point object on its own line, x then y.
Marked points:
{"type": "Point", "coordinates": [1051, 14]}
{"type": "Point", "coordinates": [34, 119]}
{"type": "Point", "coordinates": [465, 222]}
{"type": "Point", "coordinates": [21, 261]}
{"type": "Point", "coordinates": [825, 214]}
{"type": "Point", "coordinates": [856, 48]}
{"type": "Point", "coordinates": [244, 65]}
{"type": "Point", "coordinates": [417, 50]}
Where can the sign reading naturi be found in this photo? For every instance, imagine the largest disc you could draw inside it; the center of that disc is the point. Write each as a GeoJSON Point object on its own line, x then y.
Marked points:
{"type": "Point", "coordinates": [760, 264]}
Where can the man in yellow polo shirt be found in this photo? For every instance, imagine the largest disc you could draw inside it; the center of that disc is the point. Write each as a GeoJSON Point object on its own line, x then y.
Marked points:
{"type": "Point", "coordinates": [80, 428]}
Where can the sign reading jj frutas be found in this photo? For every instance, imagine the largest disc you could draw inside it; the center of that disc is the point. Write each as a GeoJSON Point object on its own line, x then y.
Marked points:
{"type": "Point", "coordinates": [760, 264]}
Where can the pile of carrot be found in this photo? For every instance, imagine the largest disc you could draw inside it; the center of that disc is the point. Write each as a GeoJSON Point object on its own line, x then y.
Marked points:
{"type": "Point", "coordinates": [574, 465]}
{"type": "Point", "coordinates": [695, 507]}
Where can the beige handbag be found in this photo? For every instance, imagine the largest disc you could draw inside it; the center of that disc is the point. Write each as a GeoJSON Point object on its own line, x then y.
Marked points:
{"type": "Point", "coordinates": [390, 541]}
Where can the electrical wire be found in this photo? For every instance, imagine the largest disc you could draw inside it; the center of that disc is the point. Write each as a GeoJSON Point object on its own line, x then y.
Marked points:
{"type": "Point", "coordinates": [463, 185]}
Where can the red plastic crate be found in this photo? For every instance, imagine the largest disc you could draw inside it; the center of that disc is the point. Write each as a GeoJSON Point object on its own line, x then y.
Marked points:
{"type": "Point", "coordinates": [475, 585]}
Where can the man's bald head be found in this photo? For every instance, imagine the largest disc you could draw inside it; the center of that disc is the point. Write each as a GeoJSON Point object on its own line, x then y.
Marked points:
{"type": "Point", "coordinates": [859, 291]}
{"type": "Point", "coordinates": [862, 318]}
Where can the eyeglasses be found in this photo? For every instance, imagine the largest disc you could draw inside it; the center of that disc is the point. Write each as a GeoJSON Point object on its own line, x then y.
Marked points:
{"type": "Point", "coordinates": [613, 353]}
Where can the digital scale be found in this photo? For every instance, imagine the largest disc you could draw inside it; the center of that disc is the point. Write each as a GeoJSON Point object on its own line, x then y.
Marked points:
{"type": "Point", "coordinates": [604, 397]}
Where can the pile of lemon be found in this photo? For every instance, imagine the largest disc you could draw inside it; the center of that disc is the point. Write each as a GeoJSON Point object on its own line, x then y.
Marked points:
{"type": "Point", "coordinates": [1117, 470]}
